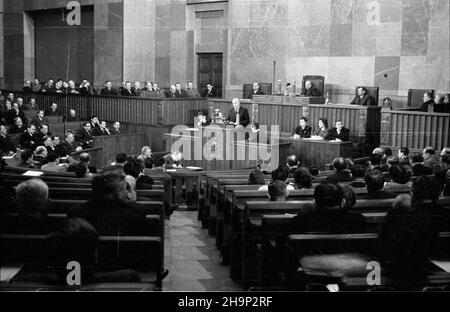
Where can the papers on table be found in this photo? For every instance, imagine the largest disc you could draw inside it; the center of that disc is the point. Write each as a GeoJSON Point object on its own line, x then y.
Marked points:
{"type": "Point", "coordinates": [33, 173]}
{"type": "Point", "coordinates": [194, 168]}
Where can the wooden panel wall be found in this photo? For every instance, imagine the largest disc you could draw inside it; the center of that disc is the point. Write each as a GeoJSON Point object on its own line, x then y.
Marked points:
{"type": "Point", "coordinates": [415, 130]}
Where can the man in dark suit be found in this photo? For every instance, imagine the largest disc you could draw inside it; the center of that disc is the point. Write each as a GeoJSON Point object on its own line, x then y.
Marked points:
{"type": "Point", "coordinates": [427, 101]}
{"type": "Point", "coordinates": [339, 132]}
{"type": "Point", "coordinates": [256, 90]}
{"type": "Point", "coordinates": [53, 110]}
{"type": "Point", "coordinates": [363, 98]}
{"type": "Point", "coordinates": [303, 130]}
{"type": "Point", "coordinates": [127, 90]}
{"type": "Point", "coordinates": [210, 91]}
{"type": "Point", "coordinates": [102, 130]}
{"type": "Point", "coordinates": [238, 116]}
{"type": "Point", "coordinates": [15, 112]}
{"type": "Point", "coordinates": [180, 92]}
{"type": "Point", "coordinates": [115, 130]}
{"type": "Point", "coordinates": [28, 139]}
{"type": "Point", "coordinates": [69, 146]}
{"type": "Point", "coordinates": [7, 147]}
{"type": "Point", "coordinates": [94, 123]}
{"type": "Point", "coordinates": [108, 89]}
{"type": "Point", "coordinates": [39, 119]}
{"type": "Point", "coordinates": [85, 136]}
{"type": "Point", "coordinates": [310, 90]}
{"type": "Point", "coordinates": [18, 127]}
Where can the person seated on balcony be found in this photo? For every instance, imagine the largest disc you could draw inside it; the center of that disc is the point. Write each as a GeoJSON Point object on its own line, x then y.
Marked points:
{"type": "Point", "coordinates": [210, 91]}
{"type": "Point", "coordinates": [428, 100]}
{"type": "Point", "coordinates": [36, 85]}
{"type": "Point", "coordinates": [363, 98]}
{"type": "Point", "coordinates": [72, 88]}
{"type": "Point", "coordinates": [148, 92]}
{"type": "Point", "coordinates": [159, 92]}
{"type": "Point", "coordinates": [27, 87]}
{"type": "Point", "coordinates": [108, 89]}
{"type": "Point", "coordinates": [115, 130]}
{"type": "Point", "coordinates": [48, 87]}
{"type": "Point", "coordinates": [172, 93]}
{"type": "Point", "coordinates": [127, 90]}
{"type": "Point", "coordinates": [310, 90]}
{"type": "Point", "coordinates": [180, 92]}
{"type": "Point", "coordinates": [102, 130]}
{"type": "Point", "coordinates": [59, 86]}
{"type": "Point", "coordinates": [191, 91]}
{"type": "Point", "coordinates": [86, 88]}
{"type": "Point", "coordinates": [303, 130]}
{"type": "Point", "coordinates": [53, 110]}
{"type": "Point", "coordinates": [137, 88]}
{"type": "Point", "coordinates": [72, 117]}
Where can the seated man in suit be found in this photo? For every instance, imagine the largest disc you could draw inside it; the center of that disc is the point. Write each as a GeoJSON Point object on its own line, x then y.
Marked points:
{"type": "Point", "coordinates": [28, 139]}
{"type": "Point", "coordinates": [363, 98]}
{"type": "Point", "coordinates": [238, 116]}
{"type": "Point", "coordinates": [7, 146]}
{"type": "Point", "coordinates": [375, 180]}
{"type": "Point", "coordinates": [39, 119]}
{"type": "Point", "coordinates": [115, 130]}
{"type": "Point", "coordinates": [191, 91]}
{"type": "Point", "coordinates": [210, 91]}
{"type": "Point", "coordinates": [85, 136]}
{"type": "Point", "coordinates": [172, 93]}
{"type": "Point", "coordinates": [256, 90]}
{"type": "Point", "coordinates": [127, 90]}
{"type": "Point", "coordinates": [31, 105]}
{"type": "Point", "coordinates": [69, 146]}
{"type": "Point", "coordinates": [102, 130]}
{"type": "Point", "coordinates": [53, 111]}
{"type": "Point", "coordinates": [43, 134]}
{"type": "Point", "coordinates": [342, 174]}
{"type": "Point", "coordinates": [108, 89]}
{"type": "Point", "coordinates": [303, 130]}
{"type": "Point", "coordinates": [310, 90]}
{"type": "Point", "coordinates": [330, 215]}
{"type": "Point", "coordinates": [18, 127]}
{"type": "Point", "coordinates": [339, 133]}
{"type": "Point", "coordinates": [427, 101]}
{"type": "Point", "coordinates": [180, 92]}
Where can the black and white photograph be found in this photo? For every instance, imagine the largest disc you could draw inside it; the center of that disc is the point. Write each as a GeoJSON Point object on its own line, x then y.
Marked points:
{"type": "Point", "coordinates": [223, 153]}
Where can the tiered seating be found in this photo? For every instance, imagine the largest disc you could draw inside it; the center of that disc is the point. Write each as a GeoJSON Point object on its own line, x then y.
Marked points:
{"type": "Point", "coordinates": [248, 226]}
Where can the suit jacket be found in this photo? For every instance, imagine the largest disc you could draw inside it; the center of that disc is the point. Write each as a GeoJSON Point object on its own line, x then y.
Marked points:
{"type": "Point", "coordinates": [192, 93]}
{"type": "Point", "coordinates": [66, 148]}
{"type": "Point", "coordinates": [137, 92]}
{"type": "Point", "coordinates": [171, 95]}
{"type": "Point", "coordinates": [125, 92]}
{"type": "Point", "coordinates": [49, 112]}
{"type": "Point", "coordinates": [344, 136]}
{"type": "Point", "coordinates": [424, 107]}
{"type": "Point", "coordinates": [16, 130]}
{"type": "Point", "coordinates": [208, 94]}
{"type": "Point", "coordinates": [114, 132]}
{"type": "Point", "coordinates": [259, 92]}
{"type": "Point", "coordinates": [28, 141]}
{"type": "Point", "coordinates": [99, 132]}
{"type": "Point", "coordinates": [311, 92]}
{"type": "Point", "coordinates": [304, 133]}
{"type": "Point", "coordinates": [37, 122]}
{"type": "Point", "coordinates": [105, 91]}
{"type": "Point", "coordinates": [6, 145]}
{"type": "Point", "coordinates": [244, 117]}
{"type": "Point", "coordinates": [84, 138]}
{"type": "Point", "coordinates": [181, 94]}
{"type": "Point", "coordinates": [367, 100]}
{"type": "Point", "coordinates": [13, 114]}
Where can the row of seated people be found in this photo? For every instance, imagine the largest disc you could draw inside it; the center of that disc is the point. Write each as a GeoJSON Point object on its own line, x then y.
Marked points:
{"type": "Point", "coordinates": [112, 211]}
{"type": "Point", "coordinates": [150, 90]}
{"type": "Point", "coordinates": [337, 133]}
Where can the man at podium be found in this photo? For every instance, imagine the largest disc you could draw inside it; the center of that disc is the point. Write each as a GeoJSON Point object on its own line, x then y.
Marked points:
{"type": "Point", "coordinates": [238, 116]}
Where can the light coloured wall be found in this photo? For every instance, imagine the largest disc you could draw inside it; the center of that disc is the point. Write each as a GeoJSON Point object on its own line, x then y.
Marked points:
{"type": "Point", "coordinates": [409, 48]}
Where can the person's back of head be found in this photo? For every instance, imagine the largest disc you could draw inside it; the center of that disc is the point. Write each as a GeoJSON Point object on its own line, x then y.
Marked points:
{"type": "Point", "coordinates": [375, 160]}
{"type": "Point", "coordinates": [349, 196]}
{"type": "Point", "coordinates": [280, 174]}
{"type": "Point", "coordinates": [358, 171]}
{"type": "Point", "coordinates": [32, 197]}
{"type": "Point", "coordinates": [339, 164]}
{"type": "Point", "coordinates": [277, 191]}
{"type": "Point", "coordinates": [293, 161]}
{"type": "Point", "coordinates": [80, 169]}
{"type": "Point", "coordinates": [426, 188]}
{"type": "Point", "coordinates": [85, 158]}
{"type": "Point", "coordinates": [402, 205]}
{"type": "Point", "coordinates": [416, 158]}
{"type": "Point", "coordinates": [121, 158]}
{"type": "Point", "coordinates": [328, 196]}
{"type": "Point", "coordinates": [134, 167]}
{"type": "Point", "coordinates": [303, 178]}
{"type": "Point", "coordinates": [399, 174]}
{"type": "Point", "coordinates": [374, 180]}
{"type": "Point", "coordinates": [110, 184]}
{"type": "Point", "coordinates": [256, 177]}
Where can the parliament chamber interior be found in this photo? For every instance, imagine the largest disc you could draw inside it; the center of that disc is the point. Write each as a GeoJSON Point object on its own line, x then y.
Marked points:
{"type": "Point", "coordinates": [225, 145]}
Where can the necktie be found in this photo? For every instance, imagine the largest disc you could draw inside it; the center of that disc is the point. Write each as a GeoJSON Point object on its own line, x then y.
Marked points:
{"type": "Point", "coordinates": [237, 118]}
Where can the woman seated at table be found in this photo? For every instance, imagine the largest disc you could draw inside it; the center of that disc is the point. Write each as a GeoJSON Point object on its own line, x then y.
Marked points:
{"type": "Point", "coordinates": [322, 131]}
{"type": "Point", "coordinates": [303, 131]}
